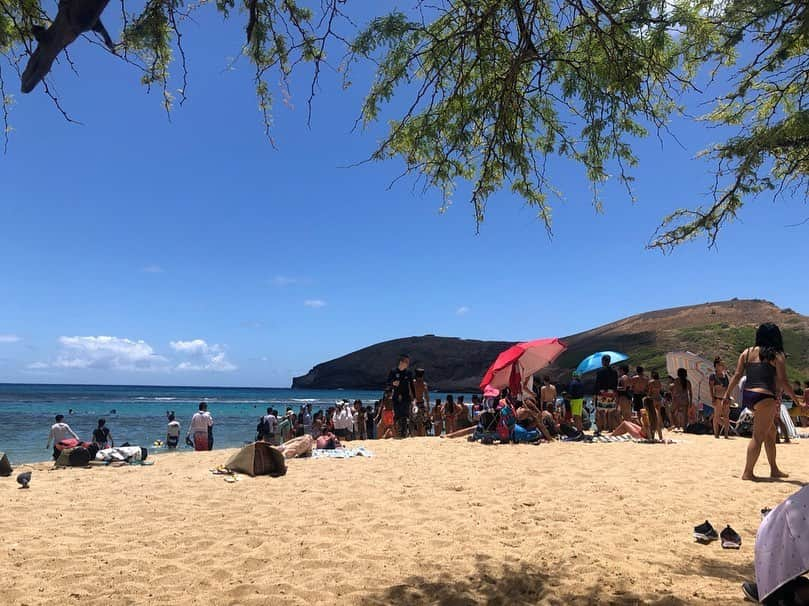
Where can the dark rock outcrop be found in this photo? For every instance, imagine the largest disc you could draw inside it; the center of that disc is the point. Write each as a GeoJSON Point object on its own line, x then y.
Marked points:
{"type": "Point", "coordinates": [723, 328]}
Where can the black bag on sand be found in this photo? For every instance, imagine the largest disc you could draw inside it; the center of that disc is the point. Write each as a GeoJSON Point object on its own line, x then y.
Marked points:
{"type": "Point", "coordinates": [5, 466]}
{"type": "Point", "coordinates": [699, 429]}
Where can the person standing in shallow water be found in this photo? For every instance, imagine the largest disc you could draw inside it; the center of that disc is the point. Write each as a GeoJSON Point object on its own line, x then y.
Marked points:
{"type": "Point", "coordinates": [764, 365]}
{"type": "Point", "coordinates": [400, 381]}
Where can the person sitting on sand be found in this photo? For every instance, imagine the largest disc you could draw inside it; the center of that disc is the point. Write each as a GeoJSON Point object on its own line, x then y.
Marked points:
{"type": "Point", "coordinates": [438, 418]}
{"type": "Point", "coordinates": [529, 416]}
{"type": "Point", "coordinates": [59, 431]}
{"type": "Point", "coordinates": [652, 410]}
{"type": "Point", "coordinates": [386, 420]}
{"type": "Point", "coordinates": [102, 436]}
{"type": "Point", "coordinates": [639, 432]}
{"type": "Point", "coordinates": [327, 440]}
{"type": "Point", "coordinates": [172, 431]}
{"type": "Point", "coordinates": [764, 365]}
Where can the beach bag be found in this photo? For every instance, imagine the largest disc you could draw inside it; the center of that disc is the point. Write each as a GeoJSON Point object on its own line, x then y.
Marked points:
{"type": "Point", "coordinates": [506, 422]}
{"type": "Point", "coordinates": [521, 434]}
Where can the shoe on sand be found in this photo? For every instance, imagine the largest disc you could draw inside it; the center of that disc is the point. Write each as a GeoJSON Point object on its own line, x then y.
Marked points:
{"type": "Point", "coordinates": [705, 533]}
{"type": "Point", "coordinates": [730, 539]}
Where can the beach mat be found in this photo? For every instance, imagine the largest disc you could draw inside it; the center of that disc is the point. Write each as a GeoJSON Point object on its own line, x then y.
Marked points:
{"type": "Point", "coordinates": [341, 453]}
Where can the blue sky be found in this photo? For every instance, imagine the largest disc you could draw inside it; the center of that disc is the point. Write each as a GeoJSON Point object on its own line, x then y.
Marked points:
{"type": "Point", "coordinates": [138, 250]}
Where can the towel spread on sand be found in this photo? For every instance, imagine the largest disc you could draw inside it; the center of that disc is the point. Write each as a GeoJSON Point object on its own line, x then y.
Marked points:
{"type": "Point", "coordinates": [341, 453]}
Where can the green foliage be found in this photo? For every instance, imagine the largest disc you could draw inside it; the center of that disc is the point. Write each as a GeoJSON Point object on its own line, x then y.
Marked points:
{"type": "Point", "coordinates": [496, 91]}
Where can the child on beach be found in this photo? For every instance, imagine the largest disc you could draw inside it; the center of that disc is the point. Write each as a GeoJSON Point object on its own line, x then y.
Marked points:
{"type": "Point", "coordinates": [172, 431]}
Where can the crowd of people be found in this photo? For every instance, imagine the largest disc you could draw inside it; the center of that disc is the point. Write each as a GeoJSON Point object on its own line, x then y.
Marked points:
{"type": "Point", "coordinates": [623, 402]}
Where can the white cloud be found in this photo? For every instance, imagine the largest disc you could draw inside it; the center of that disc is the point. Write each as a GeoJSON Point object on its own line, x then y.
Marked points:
{"type": "Point", "coordinates": [282, 281]}
{"type": "Point", "coordinates": [9, 339]}
{"type": "Point", "coordinates": [314, 303]}
{"type": "Point", "coordinates": [38, 366]}
{"type": "Point", "coordinates": [202, 356]}
{"type": "Point", "coordinates": [462, 310]}
{"type": "Point", "coordinates": [152, 269]}
{"type": "Point", "coordinates": [102, 352]}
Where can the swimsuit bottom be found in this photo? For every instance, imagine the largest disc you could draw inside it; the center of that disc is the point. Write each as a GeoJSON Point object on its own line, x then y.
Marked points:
{"type": "Point", "coordinates": [576, 406]}
{"type": "Point", "coordinates": [751, 398]}
{"type": "Point", "coordinates": [606, 405]}
{"type": "Point", "coordinates": [637, 402]}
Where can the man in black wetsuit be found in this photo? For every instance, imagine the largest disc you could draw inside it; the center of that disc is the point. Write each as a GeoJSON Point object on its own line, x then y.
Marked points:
{"type": "Point", "coordinates": [400, 381]}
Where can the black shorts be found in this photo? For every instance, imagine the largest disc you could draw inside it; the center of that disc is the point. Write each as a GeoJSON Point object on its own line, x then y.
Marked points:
{"type": "Point", "coordinates": [637, 402]}
{"type": "Point", "coordinates": [341, 433]}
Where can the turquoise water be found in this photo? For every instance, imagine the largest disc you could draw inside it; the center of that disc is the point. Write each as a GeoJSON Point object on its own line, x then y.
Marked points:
{"type": "Point", "coordinates": [27, 412]}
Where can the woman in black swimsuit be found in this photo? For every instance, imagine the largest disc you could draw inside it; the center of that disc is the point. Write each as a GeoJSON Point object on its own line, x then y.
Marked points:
{"type": "Point", "coordinates": [765, 368]}
{"type": "Point", "coordinates": [719, 382]}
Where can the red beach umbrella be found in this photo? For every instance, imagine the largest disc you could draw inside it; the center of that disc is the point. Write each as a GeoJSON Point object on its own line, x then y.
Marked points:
{"type": "Point", "coordinates": [522, 360]}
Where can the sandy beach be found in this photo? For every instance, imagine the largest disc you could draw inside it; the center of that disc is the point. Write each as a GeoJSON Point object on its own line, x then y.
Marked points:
{"type": "Point", "coordinates": [425, 521]}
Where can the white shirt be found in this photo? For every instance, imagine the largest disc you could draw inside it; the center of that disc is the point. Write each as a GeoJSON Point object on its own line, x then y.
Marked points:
{"type": "Point", "coordinates": [272, 421]}
{"type": "Point", "coordinates": [200, 422]}
{"type": "Point", "coordinates": [59, 432]}
{"type": "Point", "coordinates": [173, 429]}
{"type": "Point", "coordinates": [342, 419]}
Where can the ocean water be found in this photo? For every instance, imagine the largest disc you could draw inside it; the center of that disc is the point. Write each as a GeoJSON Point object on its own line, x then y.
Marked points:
{"type": "Point", "coordinates": [139, 417]}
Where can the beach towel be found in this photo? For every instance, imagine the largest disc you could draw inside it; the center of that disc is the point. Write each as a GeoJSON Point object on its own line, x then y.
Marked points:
{"type": "Point", "coordinates": [341, 453]}
{"type": "Point", "coordinates": [602, 439]}
{"type": "Point", "coordinates": [122, 453]}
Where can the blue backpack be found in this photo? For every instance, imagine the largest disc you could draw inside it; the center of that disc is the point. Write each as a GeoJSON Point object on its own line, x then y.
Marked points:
{"type": "Point", "coordinates": [506, 423]}
{"type": "Point", "coordinates": [521, 434]}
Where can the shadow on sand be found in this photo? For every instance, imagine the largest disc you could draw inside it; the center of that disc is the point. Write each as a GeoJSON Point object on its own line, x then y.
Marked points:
{"type": "Point", "coordinates": [519, 584]}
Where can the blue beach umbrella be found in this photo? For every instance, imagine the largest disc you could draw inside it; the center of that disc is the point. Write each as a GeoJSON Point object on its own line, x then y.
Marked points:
{"type": "Point", "coordinates": [593, 361]}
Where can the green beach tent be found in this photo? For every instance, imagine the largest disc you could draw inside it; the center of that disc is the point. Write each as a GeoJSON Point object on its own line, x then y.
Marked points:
{"type": "Point", "coordinates": [258, 459]}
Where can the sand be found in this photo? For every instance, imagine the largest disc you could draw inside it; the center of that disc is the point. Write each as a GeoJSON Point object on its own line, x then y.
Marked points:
{"type": "Point", "coordinates": [425, 521]}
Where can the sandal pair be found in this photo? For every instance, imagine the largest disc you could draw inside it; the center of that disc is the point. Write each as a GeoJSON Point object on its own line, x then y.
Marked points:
{"type": "Point", "coordinates": [705, 533]}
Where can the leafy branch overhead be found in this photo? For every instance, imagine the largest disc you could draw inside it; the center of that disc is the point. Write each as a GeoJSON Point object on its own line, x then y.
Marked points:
{"type": "Point", "coordinates": [496, 93]}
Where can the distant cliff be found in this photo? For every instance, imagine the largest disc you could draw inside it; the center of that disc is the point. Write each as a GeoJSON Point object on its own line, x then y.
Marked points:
{"type": "Point", "coordinates": [451, 364]}
{"type": "Point", "coordinates": [723, 328]}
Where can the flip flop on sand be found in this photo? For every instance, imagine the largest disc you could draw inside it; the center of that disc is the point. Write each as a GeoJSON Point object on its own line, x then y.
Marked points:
{"type": "Point", "coordinates": [705, 533]}
{"type": "Point", "coordinates": [730, 538]}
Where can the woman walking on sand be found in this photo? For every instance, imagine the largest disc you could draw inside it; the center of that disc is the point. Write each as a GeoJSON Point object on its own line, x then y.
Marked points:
{"type": "Point", "coordinates": [764, 365]}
